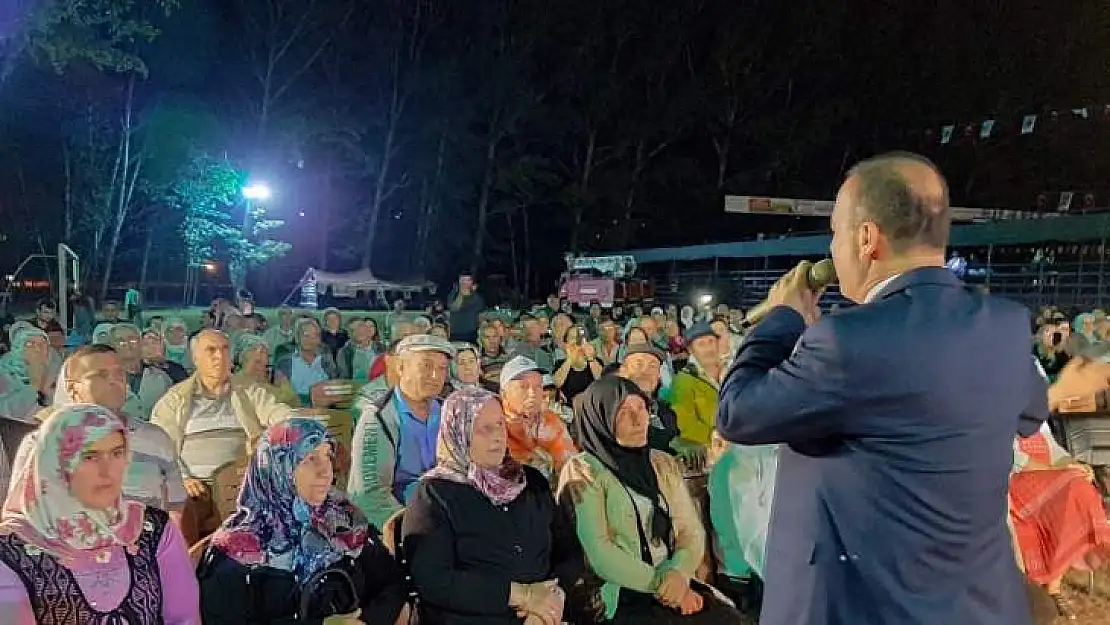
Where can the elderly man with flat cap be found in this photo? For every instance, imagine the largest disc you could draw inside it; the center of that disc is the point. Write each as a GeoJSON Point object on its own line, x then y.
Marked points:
{"type": "Point", "coordinates": [394, 441]}
{"type": "Point", "coordinates": [897, 416]}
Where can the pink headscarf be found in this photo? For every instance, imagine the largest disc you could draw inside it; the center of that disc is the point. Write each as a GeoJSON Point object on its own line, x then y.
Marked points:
{"type": "Point", "coordinates": [42, 511]}
{"type": "Point", "coordinates": [456, 431]}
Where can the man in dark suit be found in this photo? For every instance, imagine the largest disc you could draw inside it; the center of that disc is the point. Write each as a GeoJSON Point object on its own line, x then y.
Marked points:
{"type": "Point", "coordinates": [898, 418]}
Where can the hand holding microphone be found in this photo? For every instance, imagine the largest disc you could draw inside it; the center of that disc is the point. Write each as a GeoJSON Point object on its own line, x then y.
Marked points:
{"type": "Point", "coordinates": [799, 289]}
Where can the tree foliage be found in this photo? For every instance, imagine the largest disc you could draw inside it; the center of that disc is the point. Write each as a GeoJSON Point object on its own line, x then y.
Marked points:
{"type": "Point", "coordinates": [433, 136]}
{"type": "Point", "coordinates": [103, 33]}
{"type": "Point", "coordinates": [207, 194]}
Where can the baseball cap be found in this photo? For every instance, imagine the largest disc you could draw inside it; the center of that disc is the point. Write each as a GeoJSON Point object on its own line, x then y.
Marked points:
{"type": "Point", "coordinates": [548, 380]}
{"type": "Point", "coordinates": [425, 343]}
{"type": "Point", "coordinates": [644, 348]}
{"type": "Point", "coordinates": [515, 368]}
{"type": "Point", "coordinates": [698, 330]}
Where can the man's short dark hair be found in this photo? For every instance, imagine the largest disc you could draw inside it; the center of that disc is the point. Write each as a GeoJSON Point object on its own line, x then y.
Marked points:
{"type": "Point", "coordinates": [81, 352]}
{"type": "Point", "coordinates": [887, 196]}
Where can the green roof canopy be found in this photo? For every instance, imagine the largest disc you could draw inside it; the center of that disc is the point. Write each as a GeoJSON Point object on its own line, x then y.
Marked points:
{"type": "Point", "coordinates": [1072, 229]}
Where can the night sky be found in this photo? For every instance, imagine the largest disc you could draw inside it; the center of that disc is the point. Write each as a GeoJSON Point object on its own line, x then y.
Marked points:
{"type": "Point", "coordinates": [815, 89]}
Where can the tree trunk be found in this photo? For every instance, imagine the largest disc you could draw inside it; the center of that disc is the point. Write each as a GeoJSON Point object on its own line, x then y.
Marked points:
{"type": "Point", "coordinates": [583, 187]}
{"type": "Point", "coordinates": [125, 190]}
{"type": "Point", "coordinates": [102, 222]}
{"type": "Point", "coordinates": [627, 224]}
{"type": "Point", "coordinates": [121, 216]}
{"type": "Point", "coordinates": [431, 208]}
{"type": "Point", "coordinates": [325, 217]}
{"type": "Point", "coordinates": [67, 194]}
{"type": "Point", "coordinates": [379, 194]}
{"type": "Point", "coordinates": [723, 146]}
{"type": "Point", "coordinates": [527, 255]}
{"type": "Point", "coordinates": [483, 198]}
{"type": "Point", "coordinates": [512, 251]}
{"type": "Point", "coordinates": [146, 255]}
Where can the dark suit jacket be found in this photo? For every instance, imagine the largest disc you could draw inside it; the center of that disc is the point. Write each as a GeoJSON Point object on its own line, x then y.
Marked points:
{"type": "Point", "coordinates": [899, 418]}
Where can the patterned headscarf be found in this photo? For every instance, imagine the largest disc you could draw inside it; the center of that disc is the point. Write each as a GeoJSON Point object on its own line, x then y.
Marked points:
{"type": "Point", "coordinates": [298, 329]}
{"type": "Point", "coordinates": [102, 333]}
{"type": "Point", "coordinates": [41, 510]}
{"type": "Point", "coordinates": [1080, 322]}
{"type": "Point", "coordinates": [273, 525]}
{"type": "Point", "coordinates": [456, 431]}
{"type": "Point", "coordinates": [245, 343]}
{"type": "Point", "coordinates": [13, 363]}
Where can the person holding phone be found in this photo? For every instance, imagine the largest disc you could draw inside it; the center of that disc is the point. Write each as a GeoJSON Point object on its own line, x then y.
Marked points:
{"type": "Point", "coordinates": [1051, 347]}
{"type": "Point", "coordinates": [466, 307]}
{"type": "Point", "coordinates": [581, 366]}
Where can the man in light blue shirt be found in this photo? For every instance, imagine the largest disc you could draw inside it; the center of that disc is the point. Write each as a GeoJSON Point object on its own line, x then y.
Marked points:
{"type": "Point", "coordinates": [395, 438]}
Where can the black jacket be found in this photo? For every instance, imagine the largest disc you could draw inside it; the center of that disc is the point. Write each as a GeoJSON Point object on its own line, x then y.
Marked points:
{"type": "Point", "coordinates": [463, 551]}
{"type": "Point", "coordinates": [234, 594]}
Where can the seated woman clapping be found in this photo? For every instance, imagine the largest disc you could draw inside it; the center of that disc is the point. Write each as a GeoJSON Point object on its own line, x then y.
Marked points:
{"type": "Point", "coordinates": [73, 550]}
{"type": "Point", "coordinates": [296, 550]}
{"type": "Point", "coordinates": [1057, 514]}
{"type": "Point", "coordinates": [480, 532]}
{"type": "Point", "coordinates": [634, 517]}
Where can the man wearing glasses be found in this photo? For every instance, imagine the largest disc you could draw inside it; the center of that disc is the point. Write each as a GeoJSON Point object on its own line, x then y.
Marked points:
{"type": "Point", "coordinates": [146, 384]}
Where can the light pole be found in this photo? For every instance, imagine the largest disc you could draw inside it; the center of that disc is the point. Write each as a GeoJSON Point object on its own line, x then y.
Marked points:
{"type": "Point", "coordinates": [253, 192]}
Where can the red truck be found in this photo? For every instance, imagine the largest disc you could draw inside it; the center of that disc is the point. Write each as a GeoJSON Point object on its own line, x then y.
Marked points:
{"type": "Point", "coordinates": [605, 280]}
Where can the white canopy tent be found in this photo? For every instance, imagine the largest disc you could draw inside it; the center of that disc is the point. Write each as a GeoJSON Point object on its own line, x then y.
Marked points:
{"type": "Point", "coordinates": [351, 285]}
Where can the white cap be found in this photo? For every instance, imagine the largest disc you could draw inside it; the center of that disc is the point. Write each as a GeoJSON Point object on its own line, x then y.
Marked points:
{"type": "Point", "coordinates": [515, 368]}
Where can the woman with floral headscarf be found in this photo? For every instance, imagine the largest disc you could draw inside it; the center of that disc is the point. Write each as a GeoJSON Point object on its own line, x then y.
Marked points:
{"type": "Point", "coordinates": [73, 550]}
{"type": "Point", "coordinates": [25, 381]}
{"type": "Point", "coordinates": [480, 531]}
{"type": "Point", "coordinates": [297, 550]}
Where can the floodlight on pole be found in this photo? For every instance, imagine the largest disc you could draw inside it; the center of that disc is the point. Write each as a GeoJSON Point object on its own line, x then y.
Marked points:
{"type": "Point", "coordinates": [257, 191]}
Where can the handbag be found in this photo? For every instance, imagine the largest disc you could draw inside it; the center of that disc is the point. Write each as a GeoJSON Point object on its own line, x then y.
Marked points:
{"type": "Point", "coordinates": [328, 592]}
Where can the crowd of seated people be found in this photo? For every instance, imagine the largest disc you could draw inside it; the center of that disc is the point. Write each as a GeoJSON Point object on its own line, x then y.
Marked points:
{"type": "Point", "coordinates": [560, 469]}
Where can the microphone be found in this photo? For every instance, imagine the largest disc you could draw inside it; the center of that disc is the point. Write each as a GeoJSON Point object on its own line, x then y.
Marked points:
{"type": "Point", "coordinates": [820, 275]}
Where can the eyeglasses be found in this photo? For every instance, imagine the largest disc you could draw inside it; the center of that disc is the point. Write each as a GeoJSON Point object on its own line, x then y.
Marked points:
{"type": "Point", "coordinates": [118, 375]}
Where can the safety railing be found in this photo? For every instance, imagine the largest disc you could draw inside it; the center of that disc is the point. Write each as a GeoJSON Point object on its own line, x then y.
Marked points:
{"type": "Point", "coordinates": [1081, 284]}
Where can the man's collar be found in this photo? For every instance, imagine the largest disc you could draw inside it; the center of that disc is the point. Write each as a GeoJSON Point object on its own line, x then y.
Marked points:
{"type": "Point", "coordinates": [198, 389]}
{"type": "Point", "coordinates": [913, 277]}
{"type": "Point", "coordinates": [874, 292]}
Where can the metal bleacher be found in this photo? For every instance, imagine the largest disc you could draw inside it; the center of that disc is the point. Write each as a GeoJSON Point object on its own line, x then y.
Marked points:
{"type": "Point", "coordinates": [1059, 261]}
